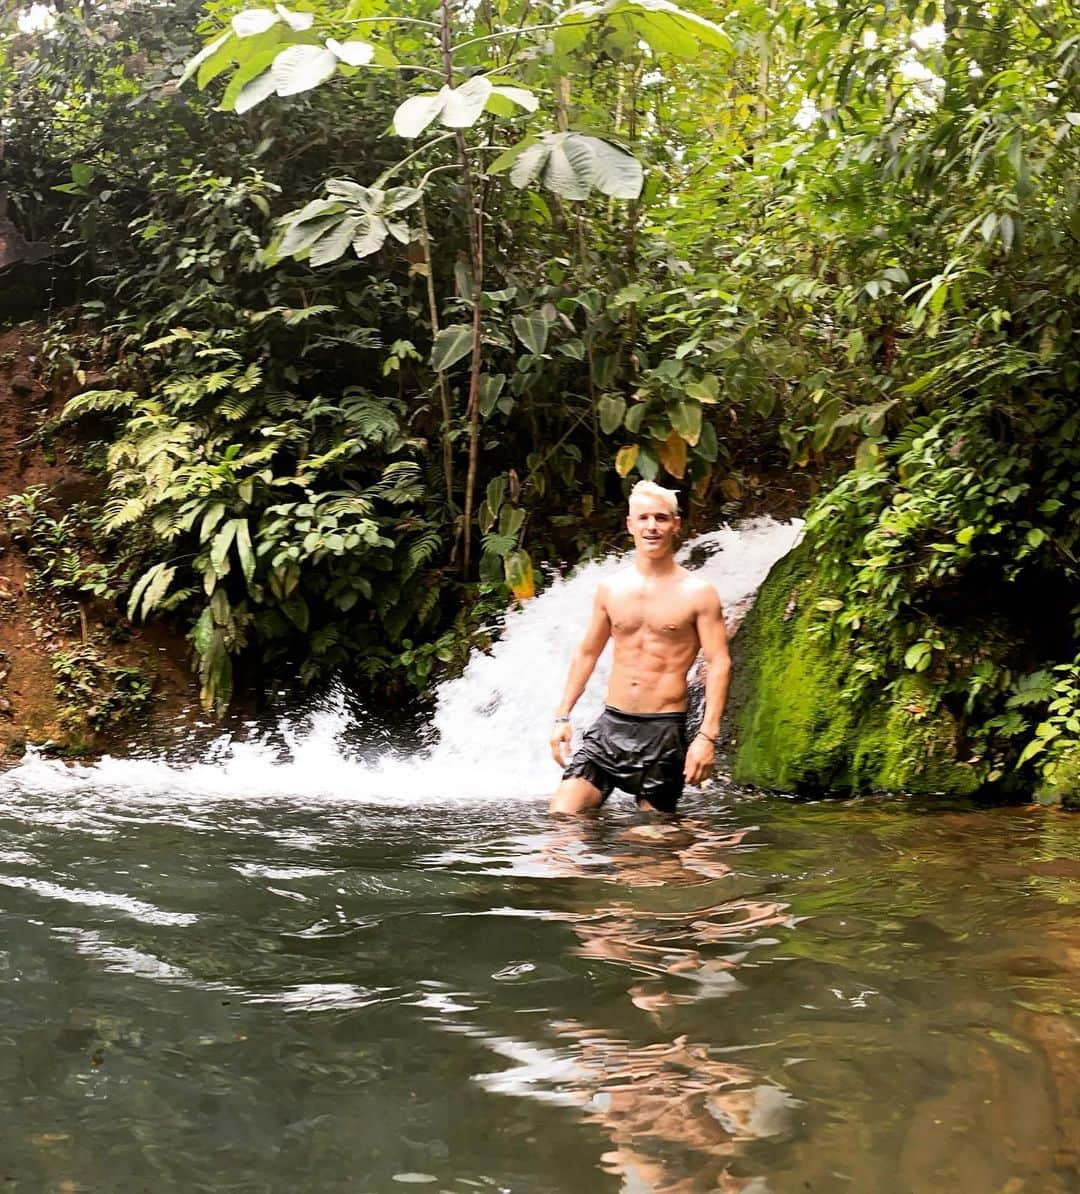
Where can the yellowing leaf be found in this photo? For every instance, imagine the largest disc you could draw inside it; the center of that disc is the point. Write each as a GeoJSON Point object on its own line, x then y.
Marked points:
{"type": "Point", "coordinates": [519, 574]}
{"type": "Point", "coordinates": [625, 459]}
{"type": "Point", "coordinates": [672, 453]}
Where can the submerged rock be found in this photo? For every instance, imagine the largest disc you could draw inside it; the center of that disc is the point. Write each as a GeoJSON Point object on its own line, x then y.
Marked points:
{"type": "Point", "coordinates": [794, 729]}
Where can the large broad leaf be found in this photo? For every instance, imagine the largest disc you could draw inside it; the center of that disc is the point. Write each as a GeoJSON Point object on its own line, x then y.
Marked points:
{"type": "Point", "coordinates": [254, 20]}
{"type": "Point", "coordinates": [505, 101]}
{"type": "Point", "coordinates": [464, 105]}
{"type": "Point", "coordinates": [663, 26]}
{"type": "Point", "coordinates": [302, 235]}
{"type": "Point", "coordinates": [333, 243]}
{"type": "Point", "coordinates": [371, 233]}
{"type": "Point", "coordinates": [254, 68]}
{"type": "Point", "coordinates": [207, 50]}
{"type": "Point", "coordinates": [571, 164]}
{"type": "Point", "coordinates": [352, 53]}
{"type": "Point", "coordinates": [615, 172]}
{"type": "Point", "coordinates": [253, 93]}
{"type": "Point", "coordinates": [686, 419]}
{"type": "Point", "coordinates": [297, 21]}
{"type": "Point", "coordinates": [569, 169]}
{"type": "Point", "coordinates": [299, 68]}
{"type": "Point", "coordinates": [417, 112]}
{"type": "Point", "coordinates": [451, 344]}
{"type": "Point", "coordinates": [610, 408]}
{"type": "Point", "coordinates": [672, 453]}
{"type": "Point", "coordinates": [532, 331]}
{"type": "Point", "coordinates": [399, 198]}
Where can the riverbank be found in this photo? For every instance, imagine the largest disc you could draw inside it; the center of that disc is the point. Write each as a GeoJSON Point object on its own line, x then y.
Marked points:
{"type": "Point", "coordinates": [74, 676]}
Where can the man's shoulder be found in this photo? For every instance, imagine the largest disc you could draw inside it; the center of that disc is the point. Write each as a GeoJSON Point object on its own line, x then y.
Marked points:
{"type": "Point", "coordinates": [703, 592]}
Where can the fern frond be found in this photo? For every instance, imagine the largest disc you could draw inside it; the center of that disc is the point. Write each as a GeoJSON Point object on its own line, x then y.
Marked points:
{"type": "Point", "coordinates": [122, 512]}
{"type": "Point", "coordinates": [98, 402]}
{"type": "Point", "coordinates": [235, 407]}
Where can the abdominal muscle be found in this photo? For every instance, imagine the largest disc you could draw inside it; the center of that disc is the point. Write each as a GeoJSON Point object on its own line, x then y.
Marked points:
{"type": "Point", "coordinates": [650, 677]}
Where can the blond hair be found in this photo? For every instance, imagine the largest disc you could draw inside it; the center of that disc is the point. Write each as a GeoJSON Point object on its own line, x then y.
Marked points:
{"type": "Point", "coordinates": [649, 489]}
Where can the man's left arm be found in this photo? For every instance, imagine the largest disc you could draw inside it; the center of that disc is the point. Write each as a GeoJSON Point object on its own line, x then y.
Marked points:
{"type": "Point", "coordinates": [714, 647]}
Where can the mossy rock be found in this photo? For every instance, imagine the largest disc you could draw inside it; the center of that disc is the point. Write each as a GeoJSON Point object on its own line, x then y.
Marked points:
{"type": "Point", "coordinates": [794, 730]}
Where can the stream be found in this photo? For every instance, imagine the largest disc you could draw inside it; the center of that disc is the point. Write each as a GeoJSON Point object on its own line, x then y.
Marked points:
{"type": "Point", "coordinates": [327, 957]}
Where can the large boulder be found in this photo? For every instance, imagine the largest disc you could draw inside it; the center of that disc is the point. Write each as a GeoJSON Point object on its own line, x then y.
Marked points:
{"type": "Point", "coordinates": [794, 728]}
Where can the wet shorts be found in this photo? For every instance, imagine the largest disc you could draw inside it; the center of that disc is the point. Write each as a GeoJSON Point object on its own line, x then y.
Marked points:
{"type": "Point", "coordinates": [639, 753]}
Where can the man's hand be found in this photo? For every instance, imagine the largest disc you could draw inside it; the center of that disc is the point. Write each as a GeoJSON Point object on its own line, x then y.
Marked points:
{"type": "Point", "coordinates": [699, 760]}
{"type": "Point", "coordinates": [560, 742]}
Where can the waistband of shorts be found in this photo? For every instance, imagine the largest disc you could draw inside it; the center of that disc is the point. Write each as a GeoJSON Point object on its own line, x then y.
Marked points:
{"type": "Point", "coordinates": [639, 717]}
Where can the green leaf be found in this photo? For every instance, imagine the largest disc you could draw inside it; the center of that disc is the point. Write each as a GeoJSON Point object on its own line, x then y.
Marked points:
{"type": "Point", "coordinates": [495, 494]}
{"type": "Point", "coordinates": [707, 447]}
{"type": "Point", "coordinates": [417, 112]}
{"type": "Point", "coordinates": [917, 656]}
{"type": "Point", "coordinates": [251, 70]}
{"type": "Point", "coordinates": [686, 419]}
{"type": "Point", "coordinates": [505, 101]}
{"type": "Point", "coordinates": [663, 26]}
{"type": "Point", "coordinates": [829, 605]}
{"type": "Point", "coordinates": [610, 408]}
{"type": "Point", "coordinates": [491, 386]}
{"type": "Point", "coordinates": [635, 416]}
{"type": "Point", "coordinates": [511, 521]}
{"type": "Point", "coordinates": [300, 68]}
{"type": "Point", "coordinates": [532, 331]}
{"type": "Point", "coordinates": [219, 549]}
{"type": "Point", "coordinates": [505, 160]}
{"type": "Point", "coordinates": [706, 390]}
{"type": "Point", "coordinates": [451, 344]}
{"type": "Point", "coordinates": [244, 549]}
{"type": "Point", "coordinates": [206, 52]}
{"type": "Point", "coordinates": [203, 632]}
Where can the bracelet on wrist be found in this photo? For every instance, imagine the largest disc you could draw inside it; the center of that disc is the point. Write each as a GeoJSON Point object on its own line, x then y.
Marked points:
{"type": "Point", "coordinates": [561, 720]}
{"type": "Point", "coordinates": [708, 738]}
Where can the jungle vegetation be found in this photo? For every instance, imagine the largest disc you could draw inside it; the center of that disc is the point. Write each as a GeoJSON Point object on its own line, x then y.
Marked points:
{"type": "Point", "coordinates": [384, 304]}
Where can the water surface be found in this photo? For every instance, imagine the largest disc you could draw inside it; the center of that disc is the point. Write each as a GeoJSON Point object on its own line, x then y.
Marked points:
{"type": "Point", "coordinates": [279, 995]}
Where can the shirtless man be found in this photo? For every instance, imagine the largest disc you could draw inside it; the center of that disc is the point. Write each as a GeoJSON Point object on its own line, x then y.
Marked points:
{"type": "Point", "coordinates": [659, 616]}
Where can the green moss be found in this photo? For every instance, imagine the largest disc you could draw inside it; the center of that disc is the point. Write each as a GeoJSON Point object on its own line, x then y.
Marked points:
{"type": "Point", "coordinates": [795, 732]}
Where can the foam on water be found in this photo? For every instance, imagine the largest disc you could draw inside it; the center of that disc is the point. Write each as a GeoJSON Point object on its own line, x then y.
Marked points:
{"type": "Point", "coordinates": [491, 723]}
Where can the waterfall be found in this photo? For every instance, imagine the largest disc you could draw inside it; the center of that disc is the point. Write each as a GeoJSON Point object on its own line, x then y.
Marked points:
{"type": "Point", "coordinates": [490, 725]}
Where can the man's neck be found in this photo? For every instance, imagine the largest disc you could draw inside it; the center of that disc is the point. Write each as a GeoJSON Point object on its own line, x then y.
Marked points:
{"type": "Point", "coordinates": [655, 568]}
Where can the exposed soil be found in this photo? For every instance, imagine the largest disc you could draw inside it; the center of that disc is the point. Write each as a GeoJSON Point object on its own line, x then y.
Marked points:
{"type": "Point", "coordinates": [31, 631]}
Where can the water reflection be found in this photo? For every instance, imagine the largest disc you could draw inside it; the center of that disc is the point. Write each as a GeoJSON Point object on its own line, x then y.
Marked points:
{"type": "Point", "coordinates": [675, 1111]}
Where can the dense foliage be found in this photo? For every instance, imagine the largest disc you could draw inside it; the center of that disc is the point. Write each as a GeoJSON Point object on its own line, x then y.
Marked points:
{"type": "Point", "coordinates": [375, 283]}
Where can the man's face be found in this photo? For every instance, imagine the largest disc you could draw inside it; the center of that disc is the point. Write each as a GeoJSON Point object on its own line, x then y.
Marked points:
{"type": "Point", "coordinates": [653, 527]}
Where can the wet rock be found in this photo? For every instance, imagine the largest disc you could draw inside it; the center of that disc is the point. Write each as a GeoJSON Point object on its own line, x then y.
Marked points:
{"type": "Point", "coordinates": [795, 732]}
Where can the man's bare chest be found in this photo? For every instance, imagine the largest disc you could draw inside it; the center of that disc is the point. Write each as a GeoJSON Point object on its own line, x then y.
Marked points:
{"type": "Point", "coordinates": [668, 616]}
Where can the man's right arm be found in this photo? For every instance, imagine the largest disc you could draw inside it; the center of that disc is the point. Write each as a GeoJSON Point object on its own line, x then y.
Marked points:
{"type": "Point", "coordinates": [581, 668]}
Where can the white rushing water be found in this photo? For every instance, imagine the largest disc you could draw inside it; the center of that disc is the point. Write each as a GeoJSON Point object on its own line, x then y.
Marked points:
{"type": "Point", "coordinates": [491, 724]}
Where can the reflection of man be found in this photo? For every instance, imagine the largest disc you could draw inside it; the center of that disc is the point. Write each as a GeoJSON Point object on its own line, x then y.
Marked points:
{"type": "Point", "coordinates": [659, 616]}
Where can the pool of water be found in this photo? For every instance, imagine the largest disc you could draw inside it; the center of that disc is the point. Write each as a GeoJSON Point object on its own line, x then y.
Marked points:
{"type": "Point", "coordinates": [283, 994]}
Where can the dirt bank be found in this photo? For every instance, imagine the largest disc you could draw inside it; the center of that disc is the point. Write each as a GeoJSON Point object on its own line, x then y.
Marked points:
{"type": "Point", "coordinates": [82, 683]}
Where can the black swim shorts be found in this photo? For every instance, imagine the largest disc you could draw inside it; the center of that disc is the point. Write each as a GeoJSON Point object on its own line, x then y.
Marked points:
{"type": "Point", "coordinates": [639, 753]}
